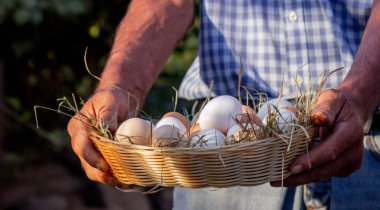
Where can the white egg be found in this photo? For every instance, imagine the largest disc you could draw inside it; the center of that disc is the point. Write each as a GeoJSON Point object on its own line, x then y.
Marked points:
{"type": "Point", "coordinates": [268, 107]}
{"type": "Point", "coordinates": [167, 135]}
{"type": "Point", "coordinates": [208, 138]}
{"type": "Point", "coordinates": [236, 131]}
{"type": "Point", "coordinates": [285, 120]}
{"type": "Point", "coordinates": [172, 121]}
{"type": "Point", "coordinates": [135, 131]}
{"type": "Point", "coordinates": [219, 113]}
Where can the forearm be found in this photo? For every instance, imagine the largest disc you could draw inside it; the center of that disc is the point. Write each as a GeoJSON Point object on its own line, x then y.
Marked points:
{"type": "Point", "coordinates": [362, 82]}
{"type": "Point", "coordinates": [144, 40]}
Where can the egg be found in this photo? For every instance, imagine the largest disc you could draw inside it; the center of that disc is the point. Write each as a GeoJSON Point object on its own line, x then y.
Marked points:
{"type": "Point", "coordinates": [194, 129]}
{"type": "Point", "coordinates": [285, 120]}
{"type": "Point", "coordinates": [135, 131]}
{"type": "Point", "coordinates": [208, 138]}
{"type": "Point", "coordinates": [170, 130]}
{"type": "Point", "coordinates": [219, 113]}
{"type": "Point", "coordinates": [168, 135]}
{"type": "Point", "coordinates": [172, 121]}
{"type": "Point", "coordinates": [180, 117]}
{"type": "Point", "coordinates": [268, 107]}
{"type": "Point", "coordinates": [249, 115]}
{"type": "Point", "coordinates": [236, 132]}
{"type": "Point", "coordinates": [291, 108]}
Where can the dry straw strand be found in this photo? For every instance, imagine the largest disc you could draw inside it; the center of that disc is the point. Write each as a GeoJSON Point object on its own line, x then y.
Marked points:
{"type": "Point", "coordinates": [262, 153]}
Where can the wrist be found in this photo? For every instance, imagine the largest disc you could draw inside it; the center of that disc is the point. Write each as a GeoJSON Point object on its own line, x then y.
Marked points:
{"type": "Point", "coordinates": [358, 102]}
{"type": "Point", "coordinates": [119, 73]}
{"type": "Point", "coordinates": [129, 101]}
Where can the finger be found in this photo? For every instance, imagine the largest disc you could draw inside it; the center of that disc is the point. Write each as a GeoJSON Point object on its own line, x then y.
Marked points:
{"type": "Point", "coordinates": [356, 162]}
{"type": "Point", "coordinates": [92, 173]}
{"type": "Point", "coordinates": [324, 172]}
{"type": "Point", "coordinates": [330, 148]}
{"type": "Point", "coordinates": [328, 106]}
{"type": "Point", "coordinates": [348, 170]}
{"type": "Point", "coordinates": [349, 160]}
{"type": "Point", "coordinates": [95, 174]}
{"type": "Point", "coordinates": [84, 148]}
{"type": "Point", "coordinates": [107, 115]}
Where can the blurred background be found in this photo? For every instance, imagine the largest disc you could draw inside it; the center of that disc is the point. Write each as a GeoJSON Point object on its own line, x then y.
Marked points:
{"type": "Point", "coordinates": [42, 43]}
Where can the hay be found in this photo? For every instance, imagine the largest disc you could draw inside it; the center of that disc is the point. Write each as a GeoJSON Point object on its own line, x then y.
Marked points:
{"type": "Point", "coordinates": [260, 154]}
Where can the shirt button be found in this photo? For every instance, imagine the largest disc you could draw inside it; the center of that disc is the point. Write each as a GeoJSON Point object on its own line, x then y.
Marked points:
{"type": "Point", "coordinates": [292, 16]}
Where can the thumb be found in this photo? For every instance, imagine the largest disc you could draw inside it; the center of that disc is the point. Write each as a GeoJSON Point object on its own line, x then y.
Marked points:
{"type": "Point", "coordinates": [328, 106]}
{"type": "Point", "coordinates": [108, 117]}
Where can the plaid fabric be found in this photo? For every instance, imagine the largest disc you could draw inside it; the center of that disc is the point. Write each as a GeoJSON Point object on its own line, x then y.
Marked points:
{"type": "Point", "coordinates": [276, 41]}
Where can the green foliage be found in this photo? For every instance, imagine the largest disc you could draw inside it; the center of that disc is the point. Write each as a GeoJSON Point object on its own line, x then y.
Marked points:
{"type": "Point", "coordinates": [42, 47]}
{"type": "Point", "coordinates": [32, 11]}
{"type": "Point", "coordinates": [14, 159]}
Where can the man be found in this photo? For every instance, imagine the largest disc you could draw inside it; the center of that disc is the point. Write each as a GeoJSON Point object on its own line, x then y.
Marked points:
{"type": "Point", "coordinates": [272, 38]}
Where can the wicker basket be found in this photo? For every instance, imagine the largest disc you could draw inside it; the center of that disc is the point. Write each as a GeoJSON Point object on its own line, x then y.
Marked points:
{"type": "Point", "coordinates": [242, 164]}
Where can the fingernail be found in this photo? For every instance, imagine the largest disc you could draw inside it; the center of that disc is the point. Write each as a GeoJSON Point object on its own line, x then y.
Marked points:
{"type": "Point", "coordinates": [296, 169]}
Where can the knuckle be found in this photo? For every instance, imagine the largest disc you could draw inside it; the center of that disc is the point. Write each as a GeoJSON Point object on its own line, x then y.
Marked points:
{"type": "Point", "coordinates": [76, 147]}
{"type": "Point", "coordinates": [92, 173]}
{"type": "Point", "coordinates": [332, 91]}
{"type": "Point", "coordinates": [70, 126]}
{"type": "Point", "coordinates": [324, 174]}
{"type": "Point", "coordinates": [333, 152]}
{"type": "Point", "coordinates": [359, 133]}
{"type": "Point", "coordinates": [90, 176]}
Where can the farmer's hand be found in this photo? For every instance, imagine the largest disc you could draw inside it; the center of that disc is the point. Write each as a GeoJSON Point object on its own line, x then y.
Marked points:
{"type": "Point", "coordinates": [340, 152]}
{"type": "Point", "coordinates": [110, 106]}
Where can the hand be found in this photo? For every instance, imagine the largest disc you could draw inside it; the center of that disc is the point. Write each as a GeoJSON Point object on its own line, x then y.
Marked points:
{"type": "Point", "coordinates": [340, 152]}
{"type": "Point", "coordinates": [103, 105]}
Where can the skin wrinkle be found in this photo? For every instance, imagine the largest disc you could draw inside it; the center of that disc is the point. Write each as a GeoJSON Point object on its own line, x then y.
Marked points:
{"type": "Point", "coordinates": [325, 170]}
{"type": "Point", "coordinates": [359, 88]}
{"type": "Point", "coordinates": [340, 152]}
{"type": "Point", "coordinates": [364, 74]}
{"type": "Point", "coordinates": [144, 40]}
{"type": "Point", "coordinates": [153, 23]}
{"type": "Point", "coordinates": [147, 35]}
{"type": "Point", "coordinates": [321, 116]}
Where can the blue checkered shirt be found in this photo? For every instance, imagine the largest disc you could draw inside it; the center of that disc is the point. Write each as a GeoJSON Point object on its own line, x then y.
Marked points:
{"type": "Point", "coordinates": [275, 41]}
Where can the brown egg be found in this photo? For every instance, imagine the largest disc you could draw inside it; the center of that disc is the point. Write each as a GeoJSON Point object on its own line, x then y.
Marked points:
{"type": "Point", "coordinates": [290, 108]}
{"type": "Point", "coordinates": [180, 117]}
{"type": "Point", "coordinates": [294, 110]}
{"type": "Point", "coordinates": [248, 112]}
{"type": "Point", "coordinates": [194, 130]}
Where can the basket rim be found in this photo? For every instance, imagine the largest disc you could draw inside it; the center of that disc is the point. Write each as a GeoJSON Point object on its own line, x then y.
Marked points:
{"type": "Point", "coordinates": [96, 137]}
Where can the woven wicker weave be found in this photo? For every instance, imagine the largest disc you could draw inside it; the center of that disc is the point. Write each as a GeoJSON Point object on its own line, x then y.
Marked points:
{"type": "Point", "coordinates": [243, 164]}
